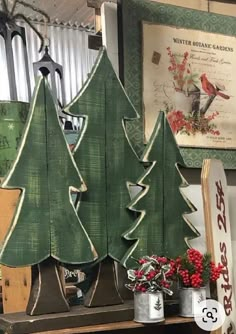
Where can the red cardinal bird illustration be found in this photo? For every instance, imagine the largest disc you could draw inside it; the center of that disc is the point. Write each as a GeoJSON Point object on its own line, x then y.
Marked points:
{"type": "Point", "coordinates": [209, 88]}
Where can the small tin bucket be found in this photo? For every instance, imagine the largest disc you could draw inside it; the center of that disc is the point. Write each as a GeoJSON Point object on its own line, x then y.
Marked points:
{"type": "Point", "coordinates": [148, 307]}
{"type": "Point", "coordinates": [189, 300]}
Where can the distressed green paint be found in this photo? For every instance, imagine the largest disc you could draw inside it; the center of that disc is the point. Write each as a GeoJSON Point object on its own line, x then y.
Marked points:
{"type": "Point", "coordinates": [106, 160]}
{"type": "Point", "coordinates": [133, 13]}
{"type": "Point", "coordinates": [45, 223]}
{"type": "Point", "coordinates": [12, 121]}
{"type": "Point", "coordinates": [163, 230]}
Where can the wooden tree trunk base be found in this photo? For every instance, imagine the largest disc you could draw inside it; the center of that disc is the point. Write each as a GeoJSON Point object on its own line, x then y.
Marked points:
{"type": "Point", "coordinates": [125, 293]}
{"type": "Point", "coordinates": [47, 294]}
{"type": "Point", "coordinates": [104, 291]}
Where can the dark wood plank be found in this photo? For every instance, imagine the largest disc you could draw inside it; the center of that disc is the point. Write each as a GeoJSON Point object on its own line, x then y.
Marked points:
{"type": "Point", "coordinates": [20, 323]}
{"type": "Point", "coordinates": [95, 41]}
{"type": "Point", "coordinates": [97, 3]}
{"type": "Point", "coordinates": [225, 1]}
{"type": "Point", "coordinates": [94, 3]}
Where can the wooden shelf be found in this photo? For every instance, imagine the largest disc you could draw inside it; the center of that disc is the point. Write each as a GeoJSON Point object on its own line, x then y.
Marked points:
{"type": "Point", "coordinates": [172, 324]}
{"type": "Point", "coordinates": [115, 319]}
{"type": "Point", "coordinates": [118, 326]}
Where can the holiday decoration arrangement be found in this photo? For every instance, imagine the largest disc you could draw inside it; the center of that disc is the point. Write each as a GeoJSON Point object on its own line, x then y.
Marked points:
{"type": "Point", "coordinates": [154, 275]}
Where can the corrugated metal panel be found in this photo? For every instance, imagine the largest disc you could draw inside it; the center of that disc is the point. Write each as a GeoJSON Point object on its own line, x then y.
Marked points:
{"type": "Point", "coordinates": [65, 12]}
{"type": "Point", "coordinates": [68, 47]}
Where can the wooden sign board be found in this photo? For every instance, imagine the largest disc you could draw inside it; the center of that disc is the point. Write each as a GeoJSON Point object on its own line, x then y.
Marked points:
{"type": "Point", "coordinates": [218, 236]}
{"type": "Point", "coordinates": [16, 282]}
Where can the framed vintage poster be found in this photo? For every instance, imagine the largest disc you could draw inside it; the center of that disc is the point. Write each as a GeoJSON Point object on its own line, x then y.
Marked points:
{"type": "Point", "coordinates": [182, 61]}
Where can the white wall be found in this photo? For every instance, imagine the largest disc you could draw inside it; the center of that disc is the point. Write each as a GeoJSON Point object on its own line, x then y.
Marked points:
{"type": "Point", "coordinates": [109, 32]}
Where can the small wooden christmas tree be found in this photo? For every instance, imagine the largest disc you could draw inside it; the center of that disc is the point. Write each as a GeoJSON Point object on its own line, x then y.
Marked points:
{"type": "Point", "coordinates": [165, 229]}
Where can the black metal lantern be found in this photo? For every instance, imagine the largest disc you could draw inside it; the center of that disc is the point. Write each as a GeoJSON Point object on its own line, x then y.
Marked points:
{"type": "Point", "coordinates": [47, 66]}
{"type": "Point", "coordinates": [8, 31]}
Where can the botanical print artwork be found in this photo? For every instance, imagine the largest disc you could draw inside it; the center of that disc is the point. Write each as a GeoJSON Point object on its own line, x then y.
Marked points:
{"type": "Point", "coordinates": [189, 74]}
{"type": "Point", "coordinates": [185, 82]}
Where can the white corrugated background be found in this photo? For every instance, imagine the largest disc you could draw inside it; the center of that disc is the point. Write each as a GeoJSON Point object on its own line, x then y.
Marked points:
{"type": "Point", "coordinates": [68, 47]}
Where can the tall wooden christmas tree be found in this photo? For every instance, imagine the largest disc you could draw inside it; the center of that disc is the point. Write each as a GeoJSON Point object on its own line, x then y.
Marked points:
{"type": "Point", "coordinates": [46, 227]}
{"type": "Point", "coordinates": [107, 163]}
{"type": "Point", "coordinates": [165, 228]}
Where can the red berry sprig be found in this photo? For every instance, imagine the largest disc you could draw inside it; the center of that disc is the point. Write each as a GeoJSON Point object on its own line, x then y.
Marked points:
{"type": "Point", "coordinates": [215, 271]}
{"type": "Point", "coordinates": [196, 280]}
{"type": "Point", "coordinates": [195, 269]}
{"type": "Point", "coordinates": [172, 270]}
{"type": "Point", "coordinates": [142, 261]}
{"type": "Point", "coordinates": [165, 284]}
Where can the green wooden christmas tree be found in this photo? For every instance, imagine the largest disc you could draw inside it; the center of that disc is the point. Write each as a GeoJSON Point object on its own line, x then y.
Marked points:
{"type": "Point", "coordinates": [106, 160]}
{"type": "Point", "coordinates": [165, 229]}
{"type": "Point", "coordinates": [46, 225]}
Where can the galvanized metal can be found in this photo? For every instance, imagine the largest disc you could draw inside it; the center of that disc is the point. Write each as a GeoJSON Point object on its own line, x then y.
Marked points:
{"type": "Point", "coordinates": [148, 307]}
{"type": "Point", "coordinates": [189, 300]}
